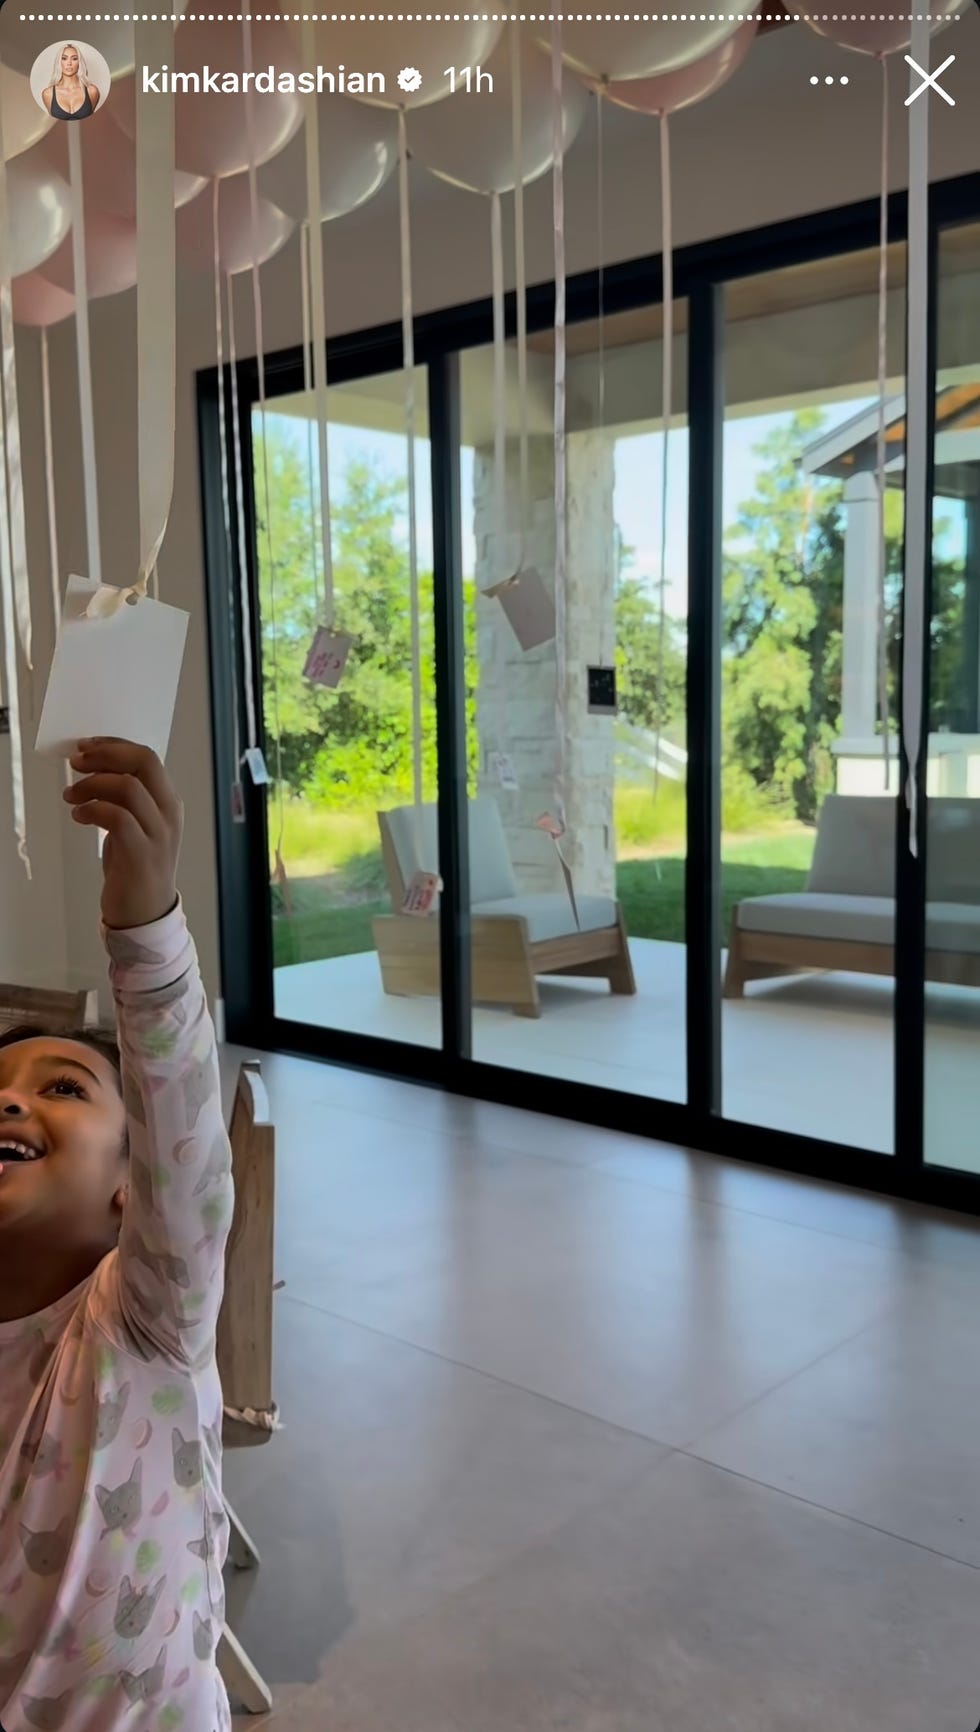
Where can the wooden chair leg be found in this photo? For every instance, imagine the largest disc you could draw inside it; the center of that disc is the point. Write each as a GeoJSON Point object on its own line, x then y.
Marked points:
{"type": "Point", "coordinates": [736, 972]}
{"type": "Point", "coordinates": [622, 980]}
{"type": "Point", "coordinates": [244, 1684]}
{"type": "Point", "coordinates": [242, 1550]}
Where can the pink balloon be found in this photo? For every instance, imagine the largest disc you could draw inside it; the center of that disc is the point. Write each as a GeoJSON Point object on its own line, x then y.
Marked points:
{"type": "Point", "coordinates": [110, 256]}
{"type": "Point", "coordinates": [239, 248]}
{"type": "Point", "coordinates": [109, 157]}
{"type": "Point", "coordinates": [881, 35]}
{"type": "Point", "coordinates": [211, 126]}
{"type": "Point", "coordinates": [37, 302]}
{"type": "Point", "coordinates": [670, 91]}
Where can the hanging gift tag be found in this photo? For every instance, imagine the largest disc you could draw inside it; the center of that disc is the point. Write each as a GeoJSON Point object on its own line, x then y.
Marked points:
{"type": "Point", "coordinates": [237, 803]}
{"type": "Point", "coordinates": [256, 766]}
{"type": "Point", "coordinates": [551, 825]}
{"type": "Point", "coordinates": [502, 767]}
{"type": "Point", "coordinates": [328, 656]}
{"type": "Point", "coordinates": [529, 607]}
{"type": "Point", "coordinates": [114, 673]}
{"type": "Point", "coordinates": [602, 691]}
{"type": "Point", "coordinates": [569, 886]}
{"type": "Point", "coordinates": [422, 890]}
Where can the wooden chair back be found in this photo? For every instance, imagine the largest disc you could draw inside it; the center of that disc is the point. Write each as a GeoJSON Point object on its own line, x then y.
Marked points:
{"type": "Point", "coordinates": [38, 1004]}
{"type": "Point", "coordinates": [245, 1321]}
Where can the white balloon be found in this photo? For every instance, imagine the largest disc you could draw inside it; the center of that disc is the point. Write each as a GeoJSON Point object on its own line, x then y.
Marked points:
{"type": "Point", "coordinates": [358, 150]}
{"type": "Point", "coordinates": [468, 140]}
{"type": "Point", "coordinates": [40, 214]}
{"type": "Point", "coordinates": [109, 157]}
{"type": "Point", "coordinates": [624, 50]}
{"type": "Point", "coordinates": [432, 51]}
{"type": "Point", "coordinates": [24, 40]}
{"type": "Point", "coordinates": [23, 121]}
{"type": "Point", "coordinates": [240, 245]}
{"type": "Point", "coordinates": [110, 257]}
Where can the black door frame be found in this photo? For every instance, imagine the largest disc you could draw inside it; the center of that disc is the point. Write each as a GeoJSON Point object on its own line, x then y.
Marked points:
{"type": "Point", "coordinates": [700, 273]}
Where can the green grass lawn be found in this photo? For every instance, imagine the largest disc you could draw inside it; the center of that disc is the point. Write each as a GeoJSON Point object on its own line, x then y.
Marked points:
{"type": "Point", "coordinates": [651, 892]}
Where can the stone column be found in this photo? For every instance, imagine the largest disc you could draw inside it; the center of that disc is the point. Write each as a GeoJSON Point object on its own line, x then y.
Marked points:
{"type": "Point", "coordinates": [515, 704]}
{"type": "Point", "coordinates": [859, 674]}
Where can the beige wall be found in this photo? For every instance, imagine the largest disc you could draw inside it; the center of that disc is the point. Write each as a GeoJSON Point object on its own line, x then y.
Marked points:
{"type": "Point", "coordinates": [767, 147]}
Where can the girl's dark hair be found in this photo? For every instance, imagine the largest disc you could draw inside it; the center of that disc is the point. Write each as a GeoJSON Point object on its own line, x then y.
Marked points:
{"type": "Point", "coordinates": [101, 1040]}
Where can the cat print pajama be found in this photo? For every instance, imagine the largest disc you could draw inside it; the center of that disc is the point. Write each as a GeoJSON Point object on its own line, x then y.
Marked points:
{"type": "Point", "coordinates": [112, 1528]}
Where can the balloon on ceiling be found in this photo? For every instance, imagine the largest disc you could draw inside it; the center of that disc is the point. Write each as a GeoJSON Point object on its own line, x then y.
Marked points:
{"type": "Point", "coordinates": [241, 243]}
{"type": "Point", "coordinates": [358, 151]}
{"type": "Point", "coordinates": [629, 50]}
{"type": "Point", "coordinates": [39, 213]}
{"type": "Point", "coordinates": [39, 303]}
{"type": "Point", "coordinates": [212, 127]}
{"type": "Point", "coordinates": [25, 37]}
{"type": "Point", "coordinates": [24, 122]}
{"type": "Point", "coordinates": [429, 49]}
{"type": "Point", "coordinates": [109, 157]}
{"type": "Point", "coordinates": [877, 34]}
{"type": "Point", "coordinates": [685, 85]}
{"type": "Point", "coordinates": [110, 256]}
{"type": "Point", "coordinates": [468, 140]}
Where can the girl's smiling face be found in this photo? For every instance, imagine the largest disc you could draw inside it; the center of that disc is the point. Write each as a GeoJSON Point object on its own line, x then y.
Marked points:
{"type": "Point", "coordinates": [63, 1165]}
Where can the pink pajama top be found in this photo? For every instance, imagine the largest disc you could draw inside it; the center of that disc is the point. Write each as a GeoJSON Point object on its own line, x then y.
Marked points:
{"type": "Point", "coordinates": [112, 1529]}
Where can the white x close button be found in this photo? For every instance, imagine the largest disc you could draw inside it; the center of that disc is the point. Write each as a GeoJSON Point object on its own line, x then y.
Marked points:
{"type": "Point", "coordinates": [930, 81]}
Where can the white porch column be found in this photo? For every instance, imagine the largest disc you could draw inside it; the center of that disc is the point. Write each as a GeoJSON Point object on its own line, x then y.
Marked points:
{"type": "Point", "coordinates": [859, 675]}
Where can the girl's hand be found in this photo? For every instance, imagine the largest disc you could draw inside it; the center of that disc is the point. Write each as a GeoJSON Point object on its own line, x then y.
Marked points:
{"type": "Point", "coordinates": [126, 791]}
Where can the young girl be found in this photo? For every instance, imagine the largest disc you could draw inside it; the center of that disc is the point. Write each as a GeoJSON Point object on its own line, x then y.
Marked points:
{"type": "Point", "coordinates": [115, 1204]}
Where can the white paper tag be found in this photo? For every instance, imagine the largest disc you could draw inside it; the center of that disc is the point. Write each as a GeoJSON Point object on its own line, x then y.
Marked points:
{"type": "Point", "coordinates": [502, 766]}
{"type": "Point", "coordinates": [256, 766]}
{"type": "Point", "coordinates": [116, 673]}
{"type": "Point", "coordinates": [328, 656]}
{"type": "Point", "coordinates": [529, 607]}
{"type": "Point", "coordinates": [421, 892]}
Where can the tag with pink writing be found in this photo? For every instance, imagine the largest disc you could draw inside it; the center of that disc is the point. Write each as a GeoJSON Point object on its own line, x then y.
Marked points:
{"type": "Point", "coordinates": [422, 890]}
{"type": "Point", "coordinates": [328, 656]}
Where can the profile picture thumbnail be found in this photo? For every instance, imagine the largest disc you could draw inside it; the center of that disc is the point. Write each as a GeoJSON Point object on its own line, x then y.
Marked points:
{"type": "Point", "coordinates": [70, 80]}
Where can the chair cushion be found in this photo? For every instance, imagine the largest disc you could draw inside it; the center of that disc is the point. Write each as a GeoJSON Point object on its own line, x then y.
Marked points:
{"type": "Point", "coordinates": [549, 915]}
{"type": "Point", "coordinates": [854, 853]}
{"type": "Point", "coordinates": [858, 919]}
{"type": "Point", "coordinates": [415, 838]}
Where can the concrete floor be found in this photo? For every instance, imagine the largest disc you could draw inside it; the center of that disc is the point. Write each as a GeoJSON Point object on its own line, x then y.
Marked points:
{"type": "Point", "coordinates": [583, 1432]}
{"type": "Point", "coordinates": [811, 1055]}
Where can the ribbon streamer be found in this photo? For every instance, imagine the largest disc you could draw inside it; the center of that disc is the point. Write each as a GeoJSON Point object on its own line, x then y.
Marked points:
{"type": "Point", "coordinates": [223, 441]}
{"type": "Point", "coordinates": [561, 647]}
{"type": "Point", "coordinates": [10, 662]}
{"type": "Point", "coordinates": [667, 382]}
{"type": "Point", "coordinates": [319, 325]}
{"type": "Point", "coordinates": [304, 265]}
{"type": "Point", "coordinates": [520, 281]}
{"type": "Point", "coordinates": [499, 388]}
{"type": "Point", "coordinates": [13, 477]}
{"type": "Point", "coordinates": [50, 497]}
{"type": "Point", "coordinates": [917, 385]}
{"type": "Point", "coordinates": [253, 192]}
{"type": "Point", "coordinates": [408, 360]}
{"type": "Point", "coordinates": [880, 434]}
{"type": "Point", "coordinates": [156, 301]}
{"type": "Point", "coordinates": [83, 345]}
{"type": "Point", "coordinates": [248, 677]}
{"type": "Point", "coordinates": [601, 337]}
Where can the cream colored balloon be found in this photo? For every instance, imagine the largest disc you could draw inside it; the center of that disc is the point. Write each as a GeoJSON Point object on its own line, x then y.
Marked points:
{"type": "Point", "coordinates": [24, 122]}
{"type": "Point", "coordinates": [624, 50]}
{"type": "Point", "coordinates": [39, 211]}
{"type": "Point", "coordinates": [432, 52]}
{"type": "Point", "coordinates": [23, 39]}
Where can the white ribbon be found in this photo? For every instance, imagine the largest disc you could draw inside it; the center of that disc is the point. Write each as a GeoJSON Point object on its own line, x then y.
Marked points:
{"type": "Point", "coordinates": [50, 496]}
{"type": "Point", "coordinates": [667, 383]}
{"type": "Point", "coordinates": [917, 506]}
{"type": "Point", "coordinates": [10, 663]}
{"type": "Point", "coordinates": [499, 389]}
{"type": "Point", "coordinates": [244, 594]}
{"type": "Point", "coordinates": [253, 194]}
{"type": "Point", "coordinates": [83, 346]}
{"type": "Point", "coordinates": [319, 324]}
{"type": "Point", "coordinates": [601, 247]}
{"type": "Point", "coordinates": [520, 279]}
{"type": "Point", "coordinates": [561, 647]}
{"type": "Point", "coordinates": [156, 300]}
{"type": "Point", "coordinates": [304, 265]}
{"type": "Point", "coordinates": [880, 436]}
{"type": "Point", "coordinates": [408, 359]}
{"type": "Point", "coordinates": [13, 479]}
{"type": "Point", "coordinates": [223, 442]}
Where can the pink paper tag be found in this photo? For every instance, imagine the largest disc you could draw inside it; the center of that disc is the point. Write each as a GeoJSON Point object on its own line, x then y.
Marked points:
{"type": "Point", "coordinates": [528, 604]}
{"type": "Point", "coordinates": [551, 826]}
{"type": "Point", "coordinates": [328, 656]}
{"type": "Point", "coordinates": [422, 890]}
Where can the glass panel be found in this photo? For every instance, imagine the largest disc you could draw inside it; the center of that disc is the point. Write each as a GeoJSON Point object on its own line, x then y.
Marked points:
{"type": "Point", "coordinates": [601, 1001]}
{"type": "Point", "coordinates": [345, 756]}
{"type": "Point", "coordinates": [808, 807]}
{"type": "Point", "coordinates": [952, 1035]}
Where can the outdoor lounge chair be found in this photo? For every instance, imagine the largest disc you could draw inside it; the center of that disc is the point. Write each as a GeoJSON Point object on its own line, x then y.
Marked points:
{"type": "Point", "coordinates": [514, 937]}
{"type": "Point", "coordinates": [845, 917]}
